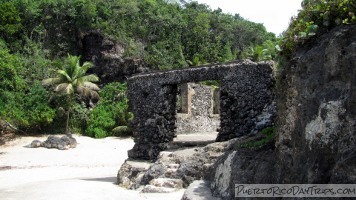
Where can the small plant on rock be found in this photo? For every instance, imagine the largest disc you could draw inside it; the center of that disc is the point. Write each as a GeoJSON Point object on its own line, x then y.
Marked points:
{"type": "Point", "coordinates": [268, 135]}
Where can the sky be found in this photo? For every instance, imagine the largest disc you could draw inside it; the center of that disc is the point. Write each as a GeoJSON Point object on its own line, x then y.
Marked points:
{"type": "Point", "coordinates": [274, 14]}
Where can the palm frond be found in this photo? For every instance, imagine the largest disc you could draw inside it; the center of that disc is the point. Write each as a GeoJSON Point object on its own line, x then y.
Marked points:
{"type": "Point", "coordinates": [76, 71]}
{"type": "Point", "coordinates": [91, 78]}
{"type": "Point", "coordinates": [65, 75]}
{"type": "Point", "coordinates": [84, 91]}
{"type": "Point", "coordinates": [72, 65]}
{"type": "Point", "coordinates": [86, 66]}
{"type": "Point", "coordinates": [75, 82]}
{"type": "Point", "coordinates": [70, 89]}
{"type": "Point", "coordinates": [91, 86]}
{"type": "Point", "coordinates": [80, 73]}
{"type": "Point", "coordinates": [51, 81]}
{"type": "Point", "coordinates": [66, 88]}
{"type": "Point", "coordinates": [80, 90]}
{"type": "Point", "coordinates": [72, 60]}
{"type": "Point", "coordinates": [94, 95]}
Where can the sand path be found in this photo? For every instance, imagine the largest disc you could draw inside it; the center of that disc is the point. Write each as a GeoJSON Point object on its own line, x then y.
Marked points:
{"type": "Point", "coordinates": [86, 172]}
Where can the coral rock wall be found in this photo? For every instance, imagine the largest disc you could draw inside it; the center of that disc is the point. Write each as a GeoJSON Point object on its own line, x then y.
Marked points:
{"type": "Point", "coordinates": [246, 91]}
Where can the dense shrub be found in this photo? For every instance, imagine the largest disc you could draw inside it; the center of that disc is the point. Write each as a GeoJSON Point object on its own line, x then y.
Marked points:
{"type": "Point", "coordinates": [101, 121]}
{"type": "Point", "coordinates": [23, 104]}
{"type": "Point", "coordinates": [79, 117]}
{"type": "Point", "coordinates": [316, 18]}
{"type": "Point", "coordinates": [10, 21]}
{"type": "Point", "coordinates": [111, 112]}
{"type": "Point", "coordinates": [12, 87]}
{"type": "Point", "coordinates": [10, 70]}
{"type": "Point", "coordinates": [37, 108]}
{"type": "Point", "coordinates": [121, 131]}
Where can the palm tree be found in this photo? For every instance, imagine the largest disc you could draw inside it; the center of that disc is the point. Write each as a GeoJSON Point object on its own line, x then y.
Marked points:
{"type": "Point", "coordinates": [258, 53]}
{"type": "Point", "coordinates": [73, 79]}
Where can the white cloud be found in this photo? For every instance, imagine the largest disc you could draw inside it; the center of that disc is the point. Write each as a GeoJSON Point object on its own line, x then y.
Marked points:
{"type": "Point", "coordinates": [274, 14]}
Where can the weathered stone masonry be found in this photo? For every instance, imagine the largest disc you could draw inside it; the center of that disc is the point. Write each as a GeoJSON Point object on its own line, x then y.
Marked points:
{"type": "Point", "coordinates": [246, 93]}
{"type": "Point", "coordinates": [197, 109]}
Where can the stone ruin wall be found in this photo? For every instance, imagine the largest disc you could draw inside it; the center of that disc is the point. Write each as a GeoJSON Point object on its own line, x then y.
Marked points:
{"type": "Point", "coordinates": [196, 113]}
{"type": "Point", "coordinates": [246, 102]}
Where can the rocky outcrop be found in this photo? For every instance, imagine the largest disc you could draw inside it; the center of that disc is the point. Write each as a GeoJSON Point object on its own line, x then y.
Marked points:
{"type": "Point", "coordinates": [110, 63]}
{"type": "Point", "coordinates": [199, 190]}
{"type": "Point", "coordinates": [62, 143]}
{"type": "Point", "coordinates": [316, 135]}
{"type": "Point", "coordinates": [173, 169]}
{"type": "Point", "coordinates": [244, 165]}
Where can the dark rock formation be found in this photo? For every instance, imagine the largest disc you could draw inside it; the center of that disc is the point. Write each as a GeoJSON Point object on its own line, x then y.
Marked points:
{"type": "Point", "coordinates": [61, 143]}
{"type": "Point", "coordinates": [177, 168]}
{"type": "Point", "coordinates": [242, 166]}
{"type": "Point", "coordinates": [108, 58]}
{"type": "Point", "coordinates": [317, 133]}
{"type": "Point", "coordinates": [316, 136]}
{"type": "Point", "coordinates": [246, 94]}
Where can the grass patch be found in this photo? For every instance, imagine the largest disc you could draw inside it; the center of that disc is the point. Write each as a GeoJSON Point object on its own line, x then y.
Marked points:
{"type": "Point", "coordinates": [268, 134]}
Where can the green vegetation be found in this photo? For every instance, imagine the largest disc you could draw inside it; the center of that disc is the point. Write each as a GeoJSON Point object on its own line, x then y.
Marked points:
{"type": "Point", "coordinates": [24, 105]}
{"type": "Point", "coordinates": [316, 18]}
{"type": "Point", "coordinates": [121, 131]}
{"type": "Point", "coordinates": [265, 51]}
{"type": "Point", "coordinates": [36, 37]}
{"type": "Point", "coordinates": [110, 113]}
{"type": "Point", "coordinates": [166, 35]}
{"type": "Point", "coordinates": [10, 21]}
{"type": "Point", "coordinates": [268, 136]}
{"type": "Point", "coordinates": [72, 79]}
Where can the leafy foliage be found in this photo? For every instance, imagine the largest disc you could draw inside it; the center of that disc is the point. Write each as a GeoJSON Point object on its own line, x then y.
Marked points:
{"type": "Point", "coordinates": [10, 21]}
{"type": "Point", "coordinates": [23, 105]}
{"type": "Point", "coordinates": [10, 67]}
{"type": "Point", "coordinates": [316, 18]}
{"type": "Point", "coordinates": [79, 117]}
{"type": "Point", "coordinates": [101, 121]}
{"type": "Point", "coordinates": [266, 51]}
{"type": "Point", "coordinates": [12, 87]}
{"type": "Point", "coordinates": [165, 34]}
{"type": "Point", "coordinates": [39, 111]}
{"type": "Point", "coordinates": [111, 112]}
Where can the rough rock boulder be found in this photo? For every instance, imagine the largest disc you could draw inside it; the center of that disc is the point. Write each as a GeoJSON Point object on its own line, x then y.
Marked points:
{"type": "Point", "coordinates": [61, 143]}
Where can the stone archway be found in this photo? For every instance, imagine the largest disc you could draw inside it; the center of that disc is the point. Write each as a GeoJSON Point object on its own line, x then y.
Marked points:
{"type": "Point", "coordinates": [246, 91]}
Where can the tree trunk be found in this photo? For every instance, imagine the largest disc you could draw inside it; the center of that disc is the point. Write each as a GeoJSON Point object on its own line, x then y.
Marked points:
{"type": "Point", "coordinates": [70, 100]}
{"type": "Point", "coordinates": [67, 123]}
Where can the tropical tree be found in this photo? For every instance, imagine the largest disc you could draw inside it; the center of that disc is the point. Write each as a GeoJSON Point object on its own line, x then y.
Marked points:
{"type": "Point", "coordinates": [72, 79]}
{"type": "Point", "coordinates": [267, 51]}
{"type": "Point", "coordinates": [256, 53]}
